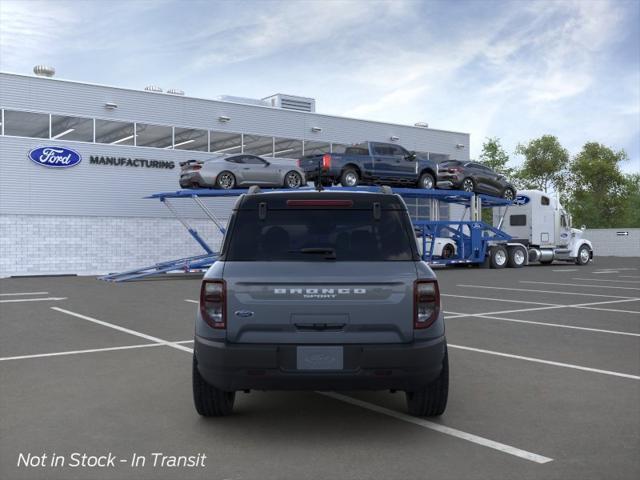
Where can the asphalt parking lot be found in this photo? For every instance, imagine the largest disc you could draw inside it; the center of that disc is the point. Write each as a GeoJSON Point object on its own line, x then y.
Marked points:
{"type": "Point", "coordinates": [545, 383]}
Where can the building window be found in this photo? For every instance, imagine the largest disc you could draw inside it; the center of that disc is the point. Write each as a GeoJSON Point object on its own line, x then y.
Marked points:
{"type": "Point", "coordinates": [258, 145]}
{"type": "Point", "coordinates": [157, 136]}
{"type": "Point", "coordinates": [316, 148]}
{"type": "Point", "coordinates": [26, 124]}
{"type": "Point", "coordinates": [225, 143]}
{"type": "Point", "coordinates": [287, 148]}
{"type": "Point", "coordinates": [71, 128]}
{"type": "Point", "coordinates": [191, 139]}
{"type": "Point", "coordinates": [338, 147]}
{"type": "Point", "coordinates": [115, 133]}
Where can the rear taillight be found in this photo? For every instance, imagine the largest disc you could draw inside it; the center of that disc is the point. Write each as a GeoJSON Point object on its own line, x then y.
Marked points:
{"type": "Point", "coordinates": [326, 161]}
{"type": "Point", "coordinates": [299, 162]}
{"type": "Point", "coordinates": [213, 299]}
{"type": "Point", "coordinates": [196, 167]}
{"type": "Point", "coordinates": [455, 170]}
{"type": "Point", "coordinates": [426, 303]}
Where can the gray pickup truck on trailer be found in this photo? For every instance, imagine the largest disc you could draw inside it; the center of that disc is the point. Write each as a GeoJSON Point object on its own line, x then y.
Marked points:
{"type": "Point", "coordinates": [320, 291]}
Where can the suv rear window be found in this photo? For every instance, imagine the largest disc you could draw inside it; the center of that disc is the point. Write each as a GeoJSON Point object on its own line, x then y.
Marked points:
{"type": "Point", "coordinates": [313, 234]}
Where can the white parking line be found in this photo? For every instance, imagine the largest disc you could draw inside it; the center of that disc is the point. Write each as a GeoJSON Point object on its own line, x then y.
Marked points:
{"type": "Point", "coordinates": [588, 306]}
{"type": "Point", "coordinates": [23, 293]}
{"type": "Point", "coordinates": [605, 272]}
{"type": "Point", "coordinates": [605, 280]}
{"type": "Point", "coordinates": [47, 299]}
{"type": "Point", "coordinates": [580, 285]}
{"type": "Point", "coordinates": [545, 324]}
{"type": "Point", "coordinates": [547, 362]}
{"type": "Point", "coordinates": [191, 301]}
{"type": "Point", "coordinates": [494, 299]}
{"type": "Point", "coordinates": [469, 437]}
{"type": "Point", "coordinates": [528, 290]}
{"type": "Point", "coordinates": [629, 276]}
{"type": "Point", "coordinates": [125, 330]}
{"type": "Point", "coordinates": [91, 350]}
{"type": "Point", "coordinates": [566, 270]}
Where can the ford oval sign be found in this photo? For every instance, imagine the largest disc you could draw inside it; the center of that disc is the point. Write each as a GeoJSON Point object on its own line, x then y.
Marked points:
{"type": "Point", "coordinates": [55, 157]}
{"type": "Point", "coordinates": [521, 200]}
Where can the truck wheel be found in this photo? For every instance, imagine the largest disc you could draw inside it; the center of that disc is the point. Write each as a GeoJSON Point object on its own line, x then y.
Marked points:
{"type": "Point", "coordinates": [499, 257]}
{"type": "Point", "coordinates": [517, 257]}
{"type": "Point", "coordinates": [210, 401]}
{"type": "Point", "coordinates": [226, 180]}
{"type": "Point", "coordinates": [426, 181]}
{"type": "Point", "coordinates": [349, 178]}
{"type": "Point", "coordinates": [431, 401]}
{"type": "Point", "coordinates": [584, 255]}
{"type": "Point", "coordinates": [293, 180]}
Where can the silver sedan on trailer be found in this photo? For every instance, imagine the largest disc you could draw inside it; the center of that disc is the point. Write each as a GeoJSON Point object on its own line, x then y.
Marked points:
{"type": "Point", "coordinates": [231, 171]}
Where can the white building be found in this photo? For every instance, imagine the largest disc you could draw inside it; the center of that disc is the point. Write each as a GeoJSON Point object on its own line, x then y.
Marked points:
{"type": "Point", "coordinates": [92, 218]}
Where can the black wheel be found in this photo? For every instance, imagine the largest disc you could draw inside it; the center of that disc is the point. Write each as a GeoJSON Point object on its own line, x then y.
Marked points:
{"type": "Point", "coordinates": [508, 194]}
{"type": "Point", "coordinates": [209, 401]}
{"type": "Point", "coordinates": [349, 178]}
{"type": "Point", "coordinates": [517, 257]}
{"type": "Point", "coordinates": [426, 181]}
{"type": "Point", "coordinates": [584, 255]}
{"type": "Point", "coordinates": [468, 185]}
{"type": "Point", "coordinates": [293, 180]}
{"type": "Point", "coordinates": [448, 251]}
{"type": "Point", "coordinates": [499, 257]}
{"type": "Point", "coordinates": [226, 180]}
{"type": "Point", "coordinates": [431, 401]}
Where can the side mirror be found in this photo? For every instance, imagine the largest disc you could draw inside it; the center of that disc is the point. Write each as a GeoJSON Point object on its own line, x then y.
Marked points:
{"type": "Point", "coordinates": [411, 157]}
{"type": "Point", "coordinates": [266, 164]}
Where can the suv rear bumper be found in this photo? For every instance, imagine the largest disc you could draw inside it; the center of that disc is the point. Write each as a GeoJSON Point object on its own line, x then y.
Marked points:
{"type": "Point", "coordinates": [231, 367]}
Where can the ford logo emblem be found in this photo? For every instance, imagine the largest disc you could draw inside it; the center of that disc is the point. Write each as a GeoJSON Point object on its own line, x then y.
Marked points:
{"type": "Point", "coordinates": [55, 157]}
{"type": "Point", "coordinates": [521, 200]}
{"type": "Point", "coordinates": [244, 313]}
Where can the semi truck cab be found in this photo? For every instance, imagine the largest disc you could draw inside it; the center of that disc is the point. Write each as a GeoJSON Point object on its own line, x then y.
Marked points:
{"type": "Point", "coordinates": [540, 223]}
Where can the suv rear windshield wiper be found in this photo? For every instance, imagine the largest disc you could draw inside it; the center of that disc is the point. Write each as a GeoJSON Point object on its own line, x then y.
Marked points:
{"type": "Point", "coordinates": [330, 253]}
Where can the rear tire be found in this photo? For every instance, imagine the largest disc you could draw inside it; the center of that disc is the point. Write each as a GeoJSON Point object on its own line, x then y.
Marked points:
{"type": "Point", "coordinates": [427, 181]}
{"type": "Point", "coordinates": [499, 257]}
{"type": "Point", "coordinates": [448, 251]}
{"type": "Point", "coordinates": [225, 180]}
{"type": "Point", "coordinates": [517, 257]}
{"type": "Point", "coordinates": [349, 178]}
{"type": "Point", "coordinates": [208, 400]}
{"type": "Point", "coordinates": [432, 401]}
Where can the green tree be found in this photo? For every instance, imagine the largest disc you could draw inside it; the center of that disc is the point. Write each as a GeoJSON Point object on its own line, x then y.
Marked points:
{"type": "Point", "coordinates": [599, 193]}
{"type": "Point", "coordinates": [495, 157]}
{"type": "Point", "coordinates": [630, 216]}
{"type": "Point", "coordinates": [545, 164]}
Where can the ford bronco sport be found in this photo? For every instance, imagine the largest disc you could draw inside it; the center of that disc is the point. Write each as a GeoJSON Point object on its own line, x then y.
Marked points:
{"type": "Point", "coordinates": [320, 291]}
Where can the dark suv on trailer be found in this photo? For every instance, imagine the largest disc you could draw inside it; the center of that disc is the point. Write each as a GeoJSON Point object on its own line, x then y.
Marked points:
{"type": "Point", "coordinates": [474, 177]}
{"type": "Point", "coordinates": [320, 291]}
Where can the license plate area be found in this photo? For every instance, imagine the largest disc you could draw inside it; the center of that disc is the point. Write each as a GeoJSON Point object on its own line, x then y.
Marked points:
{"type": "Point", "coordinates": [314, 358]}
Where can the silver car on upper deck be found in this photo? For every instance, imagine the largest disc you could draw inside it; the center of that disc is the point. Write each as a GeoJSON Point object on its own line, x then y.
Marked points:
{"type": "Point", "coordinates": [242, 170]}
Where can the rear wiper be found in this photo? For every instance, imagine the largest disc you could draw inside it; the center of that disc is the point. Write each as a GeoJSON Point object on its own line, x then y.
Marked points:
{"type": "Point", "coordinates": [330, 253]}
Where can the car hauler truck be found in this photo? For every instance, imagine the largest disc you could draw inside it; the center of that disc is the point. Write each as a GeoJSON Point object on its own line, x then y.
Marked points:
{"type": "Point", "coordinates": [538, 222]}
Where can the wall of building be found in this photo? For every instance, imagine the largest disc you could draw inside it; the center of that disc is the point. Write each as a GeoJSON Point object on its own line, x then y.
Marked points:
{"type": "Point", "coordinates": [92, 218]}
{"type": "Point", "coordinates": [613, 241]}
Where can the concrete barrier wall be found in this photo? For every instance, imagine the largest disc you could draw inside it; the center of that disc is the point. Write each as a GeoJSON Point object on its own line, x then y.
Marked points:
{"type": "Point", "coordinates": [615, 242]}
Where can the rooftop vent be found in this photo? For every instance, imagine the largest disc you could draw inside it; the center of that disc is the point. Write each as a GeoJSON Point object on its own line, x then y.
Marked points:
{"type": "Point", "coordinates": [44, 71]}
{"type": "Point", "coordinates": [175, 91]}
{"type": "Point", "coordinates": [292, 102]}
{"type": "Point", "coordinates": [421, 124]}
{"type": "Point", "coordinates": [153, 88]}
{"type": "Point", "coordinates": [245, 100]}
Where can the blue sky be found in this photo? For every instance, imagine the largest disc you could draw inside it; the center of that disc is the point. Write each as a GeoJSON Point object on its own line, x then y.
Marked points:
{"type": "Point", "coordinates": [511, 69]}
